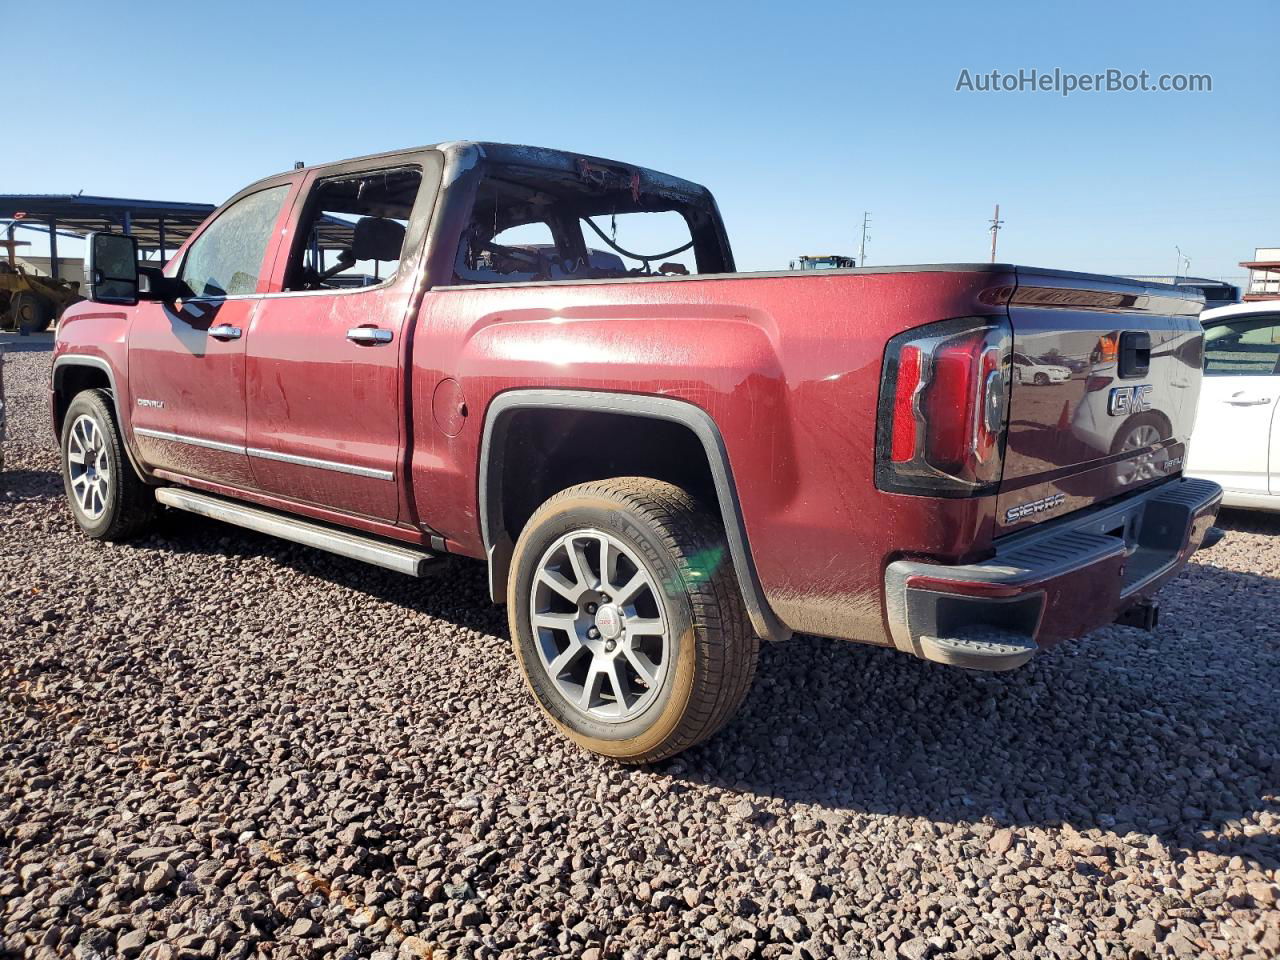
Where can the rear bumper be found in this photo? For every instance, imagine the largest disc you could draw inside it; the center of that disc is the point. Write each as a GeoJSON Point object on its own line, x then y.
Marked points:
{"type": "Point", "coordinates": [1058, 580]}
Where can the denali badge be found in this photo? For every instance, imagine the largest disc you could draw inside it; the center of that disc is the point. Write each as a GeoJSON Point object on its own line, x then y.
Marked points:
{"type": "Point", "coordinates": [1014, 514]}
{"type": "Point", "coordinates": [157, 404]}
{"type": "Point", "coordinates": [1126, 400]}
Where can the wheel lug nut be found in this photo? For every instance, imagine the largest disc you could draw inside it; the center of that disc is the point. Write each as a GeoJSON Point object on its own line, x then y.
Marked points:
{"type": "Point", "coordinates": [593, 633]}
{"type": "Point", "coordinates": [610, 646]}
{"type": "Point", "coordinates": [591, 608]}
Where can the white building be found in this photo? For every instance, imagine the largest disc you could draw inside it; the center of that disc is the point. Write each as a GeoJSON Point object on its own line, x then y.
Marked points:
{"type": "Point", "coordinates": [1264, 274]}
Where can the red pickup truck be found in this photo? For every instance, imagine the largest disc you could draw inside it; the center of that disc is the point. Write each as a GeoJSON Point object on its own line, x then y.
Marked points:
{"type": "Point", "coordinates": [454, 350]}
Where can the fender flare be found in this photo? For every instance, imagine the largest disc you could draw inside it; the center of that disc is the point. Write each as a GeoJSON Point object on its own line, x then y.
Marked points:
{"type": "Point", "coordinates": [498, 546]}
{"type": "Point", "coordinates": [64, 361]}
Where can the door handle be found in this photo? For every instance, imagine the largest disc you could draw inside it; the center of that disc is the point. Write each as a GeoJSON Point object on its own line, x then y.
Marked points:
{"type": "Point", "coordinates": [369, 335]}
{"type": "Point", "coordinates": [1246, 401]}
{"type": "Point", "coordinates": [224, 331]}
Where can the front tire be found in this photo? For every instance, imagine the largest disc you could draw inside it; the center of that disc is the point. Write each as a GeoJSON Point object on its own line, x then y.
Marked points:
{"type": "Point", "coordinates": [627, 621]}
{"type": "Point", "coordinates": [31, 313]}
{"type": "Point", "coordinates": [108, 500]}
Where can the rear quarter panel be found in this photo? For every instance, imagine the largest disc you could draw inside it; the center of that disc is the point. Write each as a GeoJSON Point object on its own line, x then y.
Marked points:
{"type": "Point", "coordinates": [788, 367]}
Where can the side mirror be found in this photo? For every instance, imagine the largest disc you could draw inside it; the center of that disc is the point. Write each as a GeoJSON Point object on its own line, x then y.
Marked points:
{"type": "Point", "coordinates": [111, 268]}
{"type": "Point", "coordinates": [154, 285]}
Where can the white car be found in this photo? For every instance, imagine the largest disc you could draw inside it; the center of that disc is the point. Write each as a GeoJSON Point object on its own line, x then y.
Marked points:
{"type": "Point", "coordinates": [1236, 439]}
{"type": "Point", "coordinates": [1028, 370]}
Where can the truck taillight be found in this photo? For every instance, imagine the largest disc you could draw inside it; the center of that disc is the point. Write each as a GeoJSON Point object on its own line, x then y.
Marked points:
{"type": "Point", "coordinates": [944, 402]}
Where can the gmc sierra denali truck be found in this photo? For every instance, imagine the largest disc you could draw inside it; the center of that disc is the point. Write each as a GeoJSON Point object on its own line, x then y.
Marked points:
{"type": "Point", "coordinates": [466, 349]}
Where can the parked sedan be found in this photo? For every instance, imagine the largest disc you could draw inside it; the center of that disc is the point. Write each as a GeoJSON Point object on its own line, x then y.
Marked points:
{"type": "Point", "coordinates": [1236, 439]}
{"type": "Point", "coordinates": [1029, 370]}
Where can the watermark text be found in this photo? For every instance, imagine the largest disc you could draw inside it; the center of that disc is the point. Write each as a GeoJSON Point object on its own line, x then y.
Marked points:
{"type": "Point", "coordinates": [1065, 83]}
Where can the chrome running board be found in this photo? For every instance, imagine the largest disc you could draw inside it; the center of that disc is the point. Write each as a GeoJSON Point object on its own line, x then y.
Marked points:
{"type": "Point", "coordinates": [345, 543]}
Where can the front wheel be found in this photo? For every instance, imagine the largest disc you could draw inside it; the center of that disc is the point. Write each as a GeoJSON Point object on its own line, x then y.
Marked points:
{"type": "Point", "coordinates": [108, 500]}
{"type": "Point", "coordinates": [31, 313]}
{"type": "Point", "coordinates": [627, 621]}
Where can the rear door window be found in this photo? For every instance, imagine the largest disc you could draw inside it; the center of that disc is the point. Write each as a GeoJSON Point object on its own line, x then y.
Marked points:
{"type": "Point", "coordinates": [353, 231]}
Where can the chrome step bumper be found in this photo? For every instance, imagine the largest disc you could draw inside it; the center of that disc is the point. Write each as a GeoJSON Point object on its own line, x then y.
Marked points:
{"type": "Point", "coordinates": [1055, 581]}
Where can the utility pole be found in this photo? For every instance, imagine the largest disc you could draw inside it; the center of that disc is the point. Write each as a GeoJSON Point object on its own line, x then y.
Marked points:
{"type": "Point", "coordinates": [1181, 266]}
{"type": "Point", "coordinates": [996, 224]}
{"type": "Point", "coordinates": [862, 247]}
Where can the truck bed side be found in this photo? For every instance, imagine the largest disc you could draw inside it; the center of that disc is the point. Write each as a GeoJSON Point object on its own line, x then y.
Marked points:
{"type": "Point", "coordinates": [787, 366]}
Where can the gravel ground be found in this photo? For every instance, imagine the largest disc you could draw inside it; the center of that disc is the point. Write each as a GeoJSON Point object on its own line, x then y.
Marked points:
{"type": "Point", "coordinates": [217, 745]}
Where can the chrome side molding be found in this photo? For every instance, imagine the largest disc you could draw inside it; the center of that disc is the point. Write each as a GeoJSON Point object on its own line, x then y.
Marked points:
{"type": "Point", "coordinates": [190, 441]}
{"type": "Point", "coordinates": [333, 465]}
{"type": "Point", "coordinates": [355, 470]}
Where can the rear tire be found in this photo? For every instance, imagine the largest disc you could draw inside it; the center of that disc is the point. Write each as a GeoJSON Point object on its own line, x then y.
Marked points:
{"type": "Point", "coordinates": [643, 654]}
{"type": "Point", "coordinates": [107, 498]}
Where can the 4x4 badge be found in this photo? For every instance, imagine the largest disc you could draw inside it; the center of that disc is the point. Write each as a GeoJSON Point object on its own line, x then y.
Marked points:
{"type": "Point", "coordinates": [1126, 400]}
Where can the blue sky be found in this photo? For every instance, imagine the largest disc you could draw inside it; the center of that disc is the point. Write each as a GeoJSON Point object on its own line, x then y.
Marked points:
{"type": "Point", "coordinates": [798, 118]}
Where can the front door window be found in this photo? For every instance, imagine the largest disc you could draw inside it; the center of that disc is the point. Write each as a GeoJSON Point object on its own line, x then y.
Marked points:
{"type": "Point", "coordinates": [226, 259]}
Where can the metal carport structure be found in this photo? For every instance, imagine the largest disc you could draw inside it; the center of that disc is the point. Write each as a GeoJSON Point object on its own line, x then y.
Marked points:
{"type": "Point", "coordinates": [158, 225]}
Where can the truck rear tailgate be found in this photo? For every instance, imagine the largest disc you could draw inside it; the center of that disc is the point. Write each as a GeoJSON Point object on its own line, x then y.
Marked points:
{"type": "Point", "coordinates": [1105, 378]}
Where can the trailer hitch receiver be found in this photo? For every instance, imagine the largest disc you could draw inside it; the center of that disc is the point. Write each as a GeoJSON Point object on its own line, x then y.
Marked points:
{"type": "Point", "coordinates": [1145, 615]}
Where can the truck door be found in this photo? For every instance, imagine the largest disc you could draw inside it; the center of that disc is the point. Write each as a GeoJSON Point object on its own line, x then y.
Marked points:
{"type": "Point", "coordinates": [186, 358]}
{"type": "Point", "coordinates": [326, 356]}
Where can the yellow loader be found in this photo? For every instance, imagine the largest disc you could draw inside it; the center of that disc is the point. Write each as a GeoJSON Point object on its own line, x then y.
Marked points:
{"type": "Point", "coordinates": [31, 302]}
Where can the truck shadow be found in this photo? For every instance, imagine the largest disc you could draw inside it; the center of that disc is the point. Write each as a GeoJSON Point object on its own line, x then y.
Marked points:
{"type": "Point", "coordinates": [1173, 734]}
{"type": "Point", "coordinates": [1249, 521]}
{"type": "Point", "coordinates": [23, 485]}
{"type": "Point", "coordinates": [456, 590]}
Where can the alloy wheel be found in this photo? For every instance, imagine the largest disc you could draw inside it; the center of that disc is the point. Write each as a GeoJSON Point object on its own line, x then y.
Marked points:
{"type": "Point", "coordinates": [89, 467]}
{"type": "Point", "coordinates": [601, 630]}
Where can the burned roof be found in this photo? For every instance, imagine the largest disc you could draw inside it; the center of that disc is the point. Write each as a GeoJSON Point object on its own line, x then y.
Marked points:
{"type": "Point", "coordinates": [467, 152]}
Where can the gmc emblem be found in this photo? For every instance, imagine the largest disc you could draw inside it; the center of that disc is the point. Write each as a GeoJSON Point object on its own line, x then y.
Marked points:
{"type": "Point", "coordinates": [1126, 400]}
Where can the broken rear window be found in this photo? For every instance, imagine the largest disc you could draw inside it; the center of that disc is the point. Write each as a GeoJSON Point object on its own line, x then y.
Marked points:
{"type": "Point", "coordinates": [595, 221]}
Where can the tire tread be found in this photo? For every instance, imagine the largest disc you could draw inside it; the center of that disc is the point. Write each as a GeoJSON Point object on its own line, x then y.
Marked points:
{"type": "Point", "coordinates": [135, 506]}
